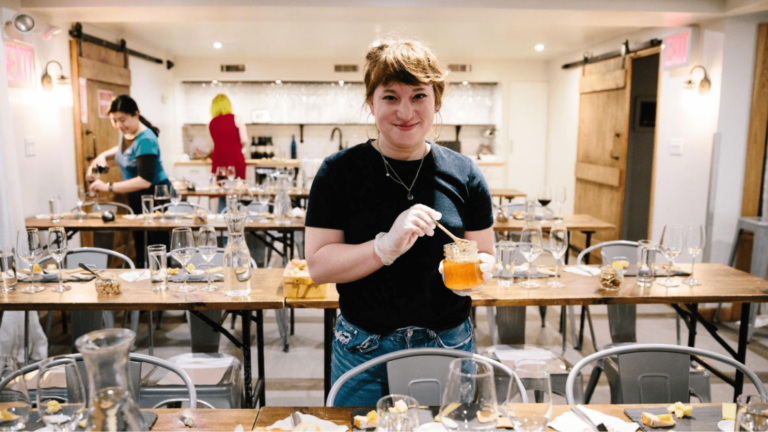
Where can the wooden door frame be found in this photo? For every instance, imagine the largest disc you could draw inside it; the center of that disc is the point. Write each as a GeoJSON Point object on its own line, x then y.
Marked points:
{"type": "Point", "coordinates": [74, 62]}
{"type": "Point", "coordinates": [758, 121]}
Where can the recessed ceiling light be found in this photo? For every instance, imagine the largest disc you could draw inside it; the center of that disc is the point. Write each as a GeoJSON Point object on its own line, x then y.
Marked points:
{"type": "Point", "coordinates": [217, 45]}
{"type": "Point", "coordinates": [465, 83]}
{"type": "Point", "coordinates": [278, 82]}
{"type": "Point", "coordinates": [539, 47]}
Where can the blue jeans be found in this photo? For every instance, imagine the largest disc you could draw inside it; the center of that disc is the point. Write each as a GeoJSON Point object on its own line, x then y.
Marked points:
{"type": "Point", "coordinates": [353, 346]}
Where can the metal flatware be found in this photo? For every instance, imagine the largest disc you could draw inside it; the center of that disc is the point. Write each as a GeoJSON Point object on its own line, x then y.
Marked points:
{"type": "Point", "coordinates": [582, 415]}
{"type": "Point", "coordinates": [295, 419]}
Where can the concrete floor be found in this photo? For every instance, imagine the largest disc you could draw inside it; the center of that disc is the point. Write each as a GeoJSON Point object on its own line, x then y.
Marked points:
{"type": "Point", "coordinates": [296, 378]}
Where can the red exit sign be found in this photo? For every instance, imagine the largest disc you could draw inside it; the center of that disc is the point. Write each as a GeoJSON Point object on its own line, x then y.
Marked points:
{"type": "Point", "coordinates": [19, 64]}
{"type": "Point", "coordinates": [677, 50]}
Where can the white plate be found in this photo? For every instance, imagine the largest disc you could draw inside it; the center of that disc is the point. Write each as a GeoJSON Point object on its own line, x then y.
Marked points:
{"type": "Point", "coordinates": [431, 427]}
{"type": "Point", "coordinates": [726, 425]}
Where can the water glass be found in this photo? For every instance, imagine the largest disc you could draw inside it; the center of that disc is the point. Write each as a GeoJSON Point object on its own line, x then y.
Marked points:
{"type": "Point", "coordinates": [61, 395]}
{"type": "Point", "coordinates": [671, 245]}
{"type": "Point", "coordinates": [8, 277]}
{"type": "Point", "coordinates": [469, 400]}
{"type": "Point", "coordinates": [158, 267]}
{"type": "Point", "coordinates": [505, 264]}
{"type": "Point", "coordinates": [751, 413]}
{"type": "Point", "coordinates": [397, 421]}
{"type": "Point", "coordinates": [57, 247]}
{"type": "Point", "coordinates": [530, 209]}
{"type": "Point", "coordinates": [15, 404]}
{"type": "Point", "coordinates": [232, 203]}
{"type": "Point", "coordinates": [533, 415]}
{"type": "Point", "coordinates": [147, 203]}
{"type": "Point", "coordinates": [646, 262]}
{"type": "Point", "coordinates": [80, 201]}
{"type": "Point", "coordinates": [28, 248]}
{"type": "Point", "coordinates": [560, 198]}
{"type": "Point", "coordinates": [54, 206]}
{"type": "Point", "coordinates": [531, 246]}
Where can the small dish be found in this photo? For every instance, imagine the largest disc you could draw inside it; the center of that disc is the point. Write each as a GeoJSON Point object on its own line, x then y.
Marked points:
{"type": "Point", "coordinates": [431, 427]}
{"type": "Point", "coordinates": [726, 425]}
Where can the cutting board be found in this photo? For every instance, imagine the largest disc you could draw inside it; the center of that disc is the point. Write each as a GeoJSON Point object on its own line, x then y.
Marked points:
{"type": "Point", "coordinates": [702, 419]}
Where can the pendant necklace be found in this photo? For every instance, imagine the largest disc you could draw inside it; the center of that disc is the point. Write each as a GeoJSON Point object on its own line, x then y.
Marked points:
{"type": "Point", "coordinates": [396, 178]}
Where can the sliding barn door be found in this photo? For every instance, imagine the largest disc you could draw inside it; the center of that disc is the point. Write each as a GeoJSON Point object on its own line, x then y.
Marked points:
{"type": "Point", "coordinates": [602, 143]}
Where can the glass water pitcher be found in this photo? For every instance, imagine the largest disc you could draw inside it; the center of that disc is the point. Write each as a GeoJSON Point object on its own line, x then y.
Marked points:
{"type": "Point", "coordinates": [282, 207]}
{"type": "Point", "coordinates": [237, 257]}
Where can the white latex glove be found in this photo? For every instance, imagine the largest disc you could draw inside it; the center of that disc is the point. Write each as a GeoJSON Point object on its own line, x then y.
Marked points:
{"type": "Point", "coordinates": [487, 263]}
{"type": "Point", "coordinates": [409, 226]}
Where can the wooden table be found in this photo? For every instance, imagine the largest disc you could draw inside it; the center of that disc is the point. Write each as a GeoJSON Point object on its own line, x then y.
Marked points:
{"type": "Point", "coordinates": [219, 192]}
{"type": "Point", "coordinates": [720, 284]}
{"type": "Point", "coordinates": [509, 194]}
{"type": "Point", "coordinates": [342, 415]}
{"type": "Point", "coordinates": [205, 419]}
{"type": "Point", "coordinates": [266, 293]}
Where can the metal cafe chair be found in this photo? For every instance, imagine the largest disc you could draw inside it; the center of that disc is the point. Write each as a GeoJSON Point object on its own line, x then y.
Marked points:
{"type": "Point", "coordinates": [653, 373]}
{"type": "Point", "coordinates": [189, 206]}
{"type": "Point", "coordinates": [421, 373]}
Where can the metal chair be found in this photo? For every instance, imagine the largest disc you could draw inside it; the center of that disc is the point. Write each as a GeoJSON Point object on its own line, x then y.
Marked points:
{"type": "Point", "coordinates": [108, 205]}
{"type": "Point", "coordinates": [643, 375]}
{"type": "Point", "coordinates": [191, 207]}
{"type": "Point", "coordinates": [86, 321]}
{"type": "Point", "coordinates": [134, 372]}
{"type": "Point", "coordinates": [418, 372]}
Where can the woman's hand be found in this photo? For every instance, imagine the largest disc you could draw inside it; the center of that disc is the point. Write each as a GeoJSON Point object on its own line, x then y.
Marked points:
{"type": "Point", "coordinates": [409, 226]}
{"type": "Point", "coordinates": [98, 186]}
{"type": "Point", "coordinates": [487, 263]}
{"type": "Point", "coordinates": [99, 160]}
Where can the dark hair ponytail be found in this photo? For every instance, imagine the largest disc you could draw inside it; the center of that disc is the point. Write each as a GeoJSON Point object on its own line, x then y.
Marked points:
{"type": "Point", "coordinates": [126, 104]}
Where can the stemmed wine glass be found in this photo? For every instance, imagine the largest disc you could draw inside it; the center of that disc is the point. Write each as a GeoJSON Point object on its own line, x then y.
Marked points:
{"type": "Point", "coordinates": [80, 201]}
{"type": "Point", "coordinates": [694, 242]}
{"type": "Point", "coordinates": [231, 173]}
{"type": "Point", "coordinates": [671, 245]}
{"type": "Point", "coordinates": [175, 200]}
{"type": "Point", "coordinates": [182, 249]}
{"type": "Point", "coordinates": [59, 375]}
{"type": "Point", "coordinates": [221, 175]}
{"type": "Point", "coordinates": [469, 401]}
{"type": "Point", "coordinates": [531, 416]}
{"type": "Point", "coordinates": [560, 197]}
{"type": "Point", "coordinates": [15, 404]}
{"type": "Point", "coordinates": [544, 197]}
{"type": "Point", "coordinates": [28, 248]}
{"type": "Point", "coordinates": [207, 245]}
{"type": "Point", "coordinates": [57, 247]}
{"type": "Point", "coordinates": [558, 245]}
{"type": "Point", "coordinates": [264, 197]}
{"type": "Point", "coordinates": [161, 198]}
{"type": "Point", "coordinates": [531, 246]}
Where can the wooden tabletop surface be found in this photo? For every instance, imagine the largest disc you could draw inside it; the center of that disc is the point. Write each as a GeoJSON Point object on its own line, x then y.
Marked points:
{"type": "Point", "coordinates": [205, 419]}
{"type": "Point", "coordinates": [266, 286]}
{"type": "Point", "coordinates": [506, 193]}
{"type": "Point", "coordinates": [720, 283]}
{"type": "Point", "coordinates": [293, 193]}
{"type": "Point", "coordinates": [579, 222]}
{"type": "Point", "coordinates": [342, 415]}
{"type": "Point", "coordinates": [121, 223]}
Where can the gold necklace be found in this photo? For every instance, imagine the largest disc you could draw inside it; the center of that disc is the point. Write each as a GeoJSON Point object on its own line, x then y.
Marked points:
{"type": "Point", "coordinates": [396, 178]}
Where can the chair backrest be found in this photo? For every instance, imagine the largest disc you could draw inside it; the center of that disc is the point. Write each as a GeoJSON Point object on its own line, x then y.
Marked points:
{"type": "Point", "coordinates": [216, 261]}
{"type": "Point", "coordinates": [513, 207]}
{"type": "Point", "coordinates": [114, 207]}
{"type": "Point", "coordinates": [182, 207]}
{"type": "Point", "coordinates": [611, 249]}
{"type": "Point", "coordinates": [650, 377]}
{"type": "Point", "coordinates": [138, 358]}
{"type": "Point", "coordinates": [90, 255]}
{"type": "Point", "coordinates": [422, 372]}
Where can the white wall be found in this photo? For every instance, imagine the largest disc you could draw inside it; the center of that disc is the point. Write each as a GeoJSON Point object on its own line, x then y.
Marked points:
{"type": "Point", "coordinates": [681, 187]}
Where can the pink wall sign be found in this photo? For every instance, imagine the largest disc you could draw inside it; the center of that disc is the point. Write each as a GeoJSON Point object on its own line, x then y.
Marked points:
{"type": "Point", "coordinates": [19, 64]}
{"type": "Point", "coordinates": [677, 51]}
{"type": "Point", "coordinates": [105, 100]}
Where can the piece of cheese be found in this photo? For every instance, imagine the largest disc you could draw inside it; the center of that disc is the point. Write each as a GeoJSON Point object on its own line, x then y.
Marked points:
{"type": "Point", "coordinates": [6, 415]}
{"type": "Point", "coordinates": [361, 422]}
{"type": "Point", "coordinates": [51, 267]}
{"type": "Point", "coordinates": [680, 410]}
{"type": "Point", "coordinates": [654, 421]}
{"type": "Point", "coordinates": [36, 268]}
{"type": "Point", "coordinates": [400, 407]}
{"type": "Point", "coordinates": [190, 267]}
{"type": "Point", "coordinates": [173, 271]}
{"type": "Point", "coordinates": [486, 416]}
{"type": "Point", "coordinates": [53, 407]}
{"type": "Point", "coordinates": [729, 411]}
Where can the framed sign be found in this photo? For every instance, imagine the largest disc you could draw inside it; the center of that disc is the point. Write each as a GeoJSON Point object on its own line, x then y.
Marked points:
{"type": "Point", "coordinates": [676, 51]}
{"type": "Point", "coordinates": [19, 64]}
{"type": "Point", "coordinates": [104, 98]}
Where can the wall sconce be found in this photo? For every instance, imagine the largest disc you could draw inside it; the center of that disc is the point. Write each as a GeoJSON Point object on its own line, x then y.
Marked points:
{"type": "Point", "coordinates": [697, 77]}
{"type": "Point", "coordinates": [48, 79]}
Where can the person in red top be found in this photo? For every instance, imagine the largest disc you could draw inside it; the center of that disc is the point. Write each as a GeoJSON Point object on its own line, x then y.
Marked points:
{"type": "Point", "coordinates": [229, 138]}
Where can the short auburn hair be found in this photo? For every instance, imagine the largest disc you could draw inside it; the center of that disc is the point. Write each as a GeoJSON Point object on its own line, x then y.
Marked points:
{"type": "Point", "coordinates": [220, 105]}
{"type": "Point", "coordinates": [403, 61]}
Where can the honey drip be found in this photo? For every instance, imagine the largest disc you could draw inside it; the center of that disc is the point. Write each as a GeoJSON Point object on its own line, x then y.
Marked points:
{"type": "Point", "coordinates": [460, 276]}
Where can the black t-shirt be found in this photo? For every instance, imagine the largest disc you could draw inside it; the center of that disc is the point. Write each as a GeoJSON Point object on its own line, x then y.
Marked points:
{"type": "Point", "coordinates": [352, 193]}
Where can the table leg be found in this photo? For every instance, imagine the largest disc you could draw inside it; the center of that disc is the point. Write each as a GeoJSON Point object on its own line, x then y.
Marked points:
{"type": "Point", "coordinates": [26, 338]}
{"type": "Point", "coordinates": [285, 249]}
{"type": "Point", "coordinates": [694, 308]}
{"type": "Point", "coordinates": [246, 347]}
{"type": "Point", "coordinates": [742, 350]}
{"type": "Point", "coordinates": [330, 324]}
{"type": "Point", "coordinates": [587, 244]}
{"type": "Point", "coordinates": [146, 255]}
{"type": "Point", "coordinates": [260, 355]}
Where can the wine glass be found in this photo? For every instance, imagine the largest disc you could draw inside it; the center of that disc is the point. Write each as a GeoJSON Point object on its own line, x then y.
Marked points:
{"type": "Point", "coordinates": [558, 245]}
{"type": "Point", "coordinates": [207, 244]}
{"type": "Point", "coordinates": [532, 416]}
{"type": "Point", "coordinates": [60, 375]}
{"type": "Point", "coordinates": [182, 249]}
{"type": "Point", "coordinates": [671, 245]}
{"type": "Point", "coordinates": [531, 246]}
{"type": "Point", "coordinates": [231, 173]}
{"type": "Point", "coordinates": [694, 242]}
{"type": "Point", "coordinates": [264, 197]}
{"type": "Point", "coordinates": [544, 197]}
{"type": "Point", "coordinates": [15, 405]}
{"type": "Point", "coordinates": [28, 248]}
{"type": "Point", "coordinates": [560, 197]}
{"type": "Point", "coordinates": [469, 400]}
{"type": "Point", "coordinates": [221, 174]}
{"type": "Point", "coordinates": [161, 198]}
{"type": "Point", "coordinates": [57, 247]}
{"type": "Point", "coordinates": [175, 200]}
{"type": "Point", "coordinates": [80, 201]}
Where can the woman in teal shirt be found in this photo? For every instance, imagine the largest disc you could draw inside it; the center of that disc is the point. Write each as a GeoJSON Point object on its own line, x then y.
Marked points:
{"type": "Point", "coordinates": [138, 156]}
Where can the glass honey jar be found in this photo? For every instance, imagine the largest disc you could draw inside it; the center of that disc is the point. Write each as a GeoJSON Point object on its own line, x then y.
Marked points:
{"type": "Point", "coordinates": [461, 268]}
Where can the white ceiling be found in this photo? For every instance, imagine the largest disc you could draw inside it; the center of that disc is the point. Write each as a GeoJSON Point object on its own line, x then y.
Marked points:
{"type": "Point", "coordinates": [492, 29]}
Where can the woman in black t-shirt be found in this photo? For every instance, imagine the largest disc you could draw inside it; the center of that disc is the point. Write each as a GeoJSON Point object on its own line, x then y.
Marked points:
{"type": "Point", "coordinates": [370, 208]}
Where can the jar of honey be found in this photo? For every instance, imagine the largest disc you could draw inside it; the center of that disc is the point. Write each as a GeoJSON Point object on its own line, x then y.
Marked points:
{"type": "Point", "coordinates": [461, 268]}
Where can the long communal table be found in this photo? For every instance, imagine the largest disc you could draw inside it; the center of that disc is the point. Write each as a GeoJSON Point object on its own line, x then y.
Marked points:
{"type": "Point", "coordinates": [266, 294]}
{"type": "Point", "coordinates": [720, 284]}
{"type": "Point", "coordinates": [509, 194]}
{"type": "Point", "coordinates": [213, 420]}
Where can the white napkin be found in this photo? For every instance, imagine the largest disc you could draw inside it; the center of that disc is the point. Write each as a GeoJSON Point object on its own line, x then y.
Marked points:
{"type": "Point", "coordinates": [135, 276]}
{"type": "Point", "coordinates": [131, 216]}
{"type": "Point", "coordinates": [583, 270]}
{"type": "Point", "coordinates": [43, 216]}
{"type": "Point", "coordinates": [325, 425]}
{"type": "Point", "coordinates": [568, 422]}
{"type": "Point", "coordinates": [297, 212]}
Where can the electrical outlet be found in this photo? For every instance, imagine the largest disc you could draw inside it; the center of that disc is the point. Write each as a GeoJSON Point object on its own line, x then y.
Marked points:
{"type": "Point", "coordinates": [676, 146]}
{"type": "Point", "coordinates": [29, 146]}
